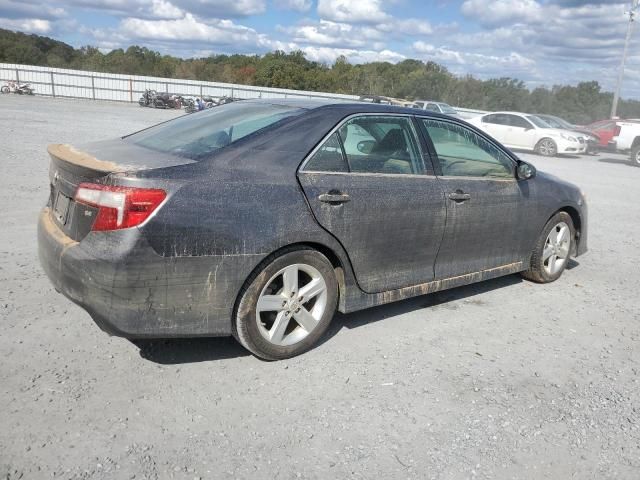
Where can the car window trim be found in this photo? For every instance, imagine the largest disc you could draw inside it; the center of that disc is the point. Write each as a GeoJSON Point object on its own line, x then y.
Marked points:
{"type": "Point", "coordinates": [436, 160]}
{"type": "Point", "coordinates": [421, 161]}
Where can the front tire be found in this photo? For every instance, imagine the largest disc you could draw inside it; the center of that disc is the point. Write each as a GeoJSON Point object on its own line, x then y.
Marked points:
{"type": "Point", "coordinates": [4, 89]}
{"type": "Point", "coordinates": [287, 304]}
{"type": "Point", "coordinates": [635, 155]}
{"type": "Point", "coordinates": [547, 148]}
{"type": "Point", "coordinates": [552, 251]}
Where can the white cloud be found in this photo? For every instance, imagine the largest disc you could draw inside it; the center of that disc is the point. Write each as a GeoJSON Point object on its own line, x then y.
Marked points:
{"type": "Point", "coordinates": [492, 13]}
{"type": "Point", "coordinates": [296, 5]}
{"type": "Point", "coordinates": [461, 62]}
{"type": "Point", "coordinates": [352, 11]}
{"type": "Point", "coordinates": [31, 25]}
{"type": "Point", "coordinates": [409, 27]}
{"type": "Point", "coordinates": [329, 55]}
{"type": "Point", "coordinates": [149, 9]}
{"type": "Point", "coordinates": [25, 9]}
{"type": "Point", "coordinates": [223, 8]}
{"type": "Point", "coordinates": [334, 34]}
{"type": "Point", "coordinates": [190, 29]}
{"type": "Point", "coordinates": [166, 9]}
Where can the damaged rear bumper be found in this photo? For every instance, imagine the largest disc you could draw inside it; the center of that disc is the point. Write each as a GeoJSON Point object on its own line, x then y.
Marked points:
{"type": "Point", "coordinates": [131, 291]}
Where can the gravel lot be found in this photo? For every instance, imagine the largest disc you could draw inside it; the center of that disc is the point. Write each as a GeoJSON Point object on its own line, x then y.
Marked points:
{"type": "Point", "coordinates": [503, 379]}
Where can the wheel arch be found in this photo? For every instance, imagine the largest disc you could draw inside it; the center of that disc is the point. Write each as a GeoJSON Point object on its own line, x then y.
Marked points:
{"type": "Point", "coordinates": [577, 222]}
{"type": "Point", "coordinates": [636, 142]}
{"type": "Point", "coordinates": [338, 263]}
{"type": "Point", "coordinates": [546, 138]}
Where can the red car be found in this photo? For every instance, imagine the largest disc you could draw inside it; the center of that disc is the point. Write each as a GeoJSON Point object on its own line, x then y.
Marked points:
{"type": "Point", "coordinates": [604, 129]}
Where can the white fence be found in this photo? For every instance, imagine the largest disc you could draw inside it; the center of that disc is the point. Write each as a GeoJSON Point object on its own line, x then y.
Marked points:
{"type": "Point", "coordinates": [59, 82]}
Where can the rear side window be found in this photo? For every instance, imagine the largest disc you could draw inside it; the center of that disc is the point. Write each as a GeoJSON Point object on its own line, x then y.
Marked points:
{"type": "Point", "coordinates": [496, 118]}
{"type": "Point", "coordinates": [328, 158]}
{"type": "Point", "coordinates": [370, 144]}
{"type": "Point", "coordinates": [464, 153]}
{"type": "Point", "coordinates": [516, 121]}
{"type": "Point", "coordinates": [381, 144]}
{"type": "Point", "coordinates": [198, 135]}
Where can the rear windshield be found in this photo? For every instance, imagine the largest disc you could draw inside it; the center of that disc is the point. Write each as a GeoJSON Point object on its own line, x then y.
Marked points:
{"type": "Point", "coordinates": [200, 134]}
{"type": "Point", "coordinates": [447, 108]}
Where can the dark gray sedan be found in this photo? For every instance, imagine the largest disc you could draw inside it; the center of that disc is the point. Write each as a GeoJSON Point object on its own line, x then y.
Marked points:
{"type": "Point", "coordinates": [259, 219]}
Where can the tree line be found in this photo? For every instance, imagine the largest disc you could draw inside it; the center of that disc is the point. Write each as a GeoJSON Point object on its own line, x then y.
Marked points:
{"type": "Point", "coordinates": [410, 79]}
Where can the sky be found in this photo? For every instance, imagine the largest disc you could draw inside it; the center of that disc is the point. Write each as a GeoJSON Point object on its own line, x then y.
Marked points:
{"type": "Point", "coordinates": [542, 42]}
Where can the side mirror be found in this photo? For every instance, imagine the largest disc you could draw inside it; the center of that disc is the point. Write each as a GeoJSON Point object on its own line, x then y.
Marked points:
{"type": "Point", "coordinates": [525, 171]}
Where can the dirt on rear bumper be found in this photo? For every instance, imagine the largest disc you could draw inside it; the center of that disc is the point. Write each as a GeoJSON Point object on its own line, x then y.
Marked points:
{"type": "Point", "coordinates": [132, 292]}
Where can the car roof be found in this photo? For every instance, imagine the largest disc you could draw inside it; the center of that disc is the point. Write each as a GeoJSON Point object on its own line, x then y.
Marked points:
{"type": "Point", "coordinates": [510, 113]}
{"type": "Point", "coordinates": [349, 106]}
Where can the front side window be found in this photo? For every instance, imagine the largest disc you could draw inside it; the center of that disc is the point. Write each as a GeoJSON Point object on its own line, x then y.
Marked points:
{"type": "Point", "coordinates": [199, 135]}
{"type": "Point", "coordinates": [380, 144]}
{"type": "Point", "coordinates": [550, 121]}
{"type": "Point", "coordinates": [464, 153]}
{"type": "Point", "coordinates": [538, 122]}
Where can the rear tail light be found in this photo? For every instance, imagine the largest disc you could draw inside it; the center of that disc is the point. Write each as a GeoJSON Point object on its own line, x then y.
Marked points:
{"type": "Point", "coordinates": [119, 207]}
{"type": "Point", "coordinates": [616, 130]}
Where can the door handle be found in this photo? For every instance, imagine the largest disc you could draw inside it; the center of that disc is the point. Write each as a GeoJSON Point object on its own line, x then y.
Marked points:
{"type": "Point", "coordinates": [459, 196]}
{"type": "Point", "coordinates": [334, 198]}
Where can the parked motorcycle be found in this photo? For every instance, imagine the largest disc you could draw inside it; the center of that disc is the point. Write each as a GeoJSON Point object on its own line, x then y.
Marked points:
{"type": "Point", "coordinates": [167, 100]}
{"type": "Point", "coordinates": [190, 105]}
{"type": "Point", "coordinates": [146, 100]}
{"type": "Point", "coordinates": [225, 100]}
{"type": "Point", "coordinates": [19, 88]}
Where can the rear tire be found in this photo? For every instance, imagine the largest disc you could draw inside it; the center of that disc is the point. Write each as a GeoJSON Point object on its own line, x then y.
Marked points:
{"type": "Point", "coordinates": [552, 251]}
{"type": "Point", "coordinates": [547, 148]}
{"type": "Point", "coordinates": [4, 89]}
{"type": "Point", "coordinates": [635, 155]}
{"type": "Point", "coordinates": [287, 304]}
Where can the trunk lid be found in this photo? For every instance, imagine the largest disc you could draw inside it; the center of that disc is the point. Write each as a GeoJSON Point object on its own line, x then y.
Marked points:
{"type": "Point", "coordinates": [93, 162]}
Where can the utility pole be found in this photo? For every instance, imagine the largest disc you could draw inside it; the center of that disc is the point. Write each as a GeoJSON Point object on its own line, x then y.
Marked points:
{"type": "Point", "coordinates": [616, 94]}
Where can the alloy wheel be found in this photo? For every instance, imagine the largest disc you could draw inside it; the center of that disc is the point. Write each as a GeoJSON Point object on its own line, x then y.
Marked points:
{"type": "Point", "coordinates": [547, 148]}
{"type": "Point", "coordinates": [556, 248]}
{"type": "Point", "coordinates": [291, 304]}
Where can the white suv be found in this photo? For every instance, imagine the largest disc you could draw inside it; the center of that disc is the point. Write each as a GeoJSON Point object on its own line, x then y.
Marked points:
{"type": "Point", "coordinates": [527, 132]}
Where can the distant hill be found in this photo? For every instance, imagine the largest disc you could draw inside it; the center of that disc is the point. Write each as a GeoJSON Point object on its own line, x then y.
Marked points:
{"type": "Point", "coordinates": [412, 79]}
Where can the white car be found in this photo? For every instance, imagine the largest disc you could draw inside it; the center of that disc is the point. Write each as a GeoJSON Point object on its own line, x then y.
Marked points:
{"type": "Point", "coordinates": [627, 139]}
{"type": "Point", "coordinates": [439, 107]}
{"type": "Point", "coordinates": [527, 132]}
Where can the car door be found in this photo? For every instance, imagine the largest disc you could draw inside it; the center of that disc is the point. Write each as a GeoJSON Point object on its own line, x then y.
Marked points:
{"type": "Point", "coordinates": [487, 208]}
{"type": "Point", "coordinates": [521, 133]}
{"type": "Point", "coordinates": [496, 125]}
{"type": "Point", "coordinates": [368, 185]}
